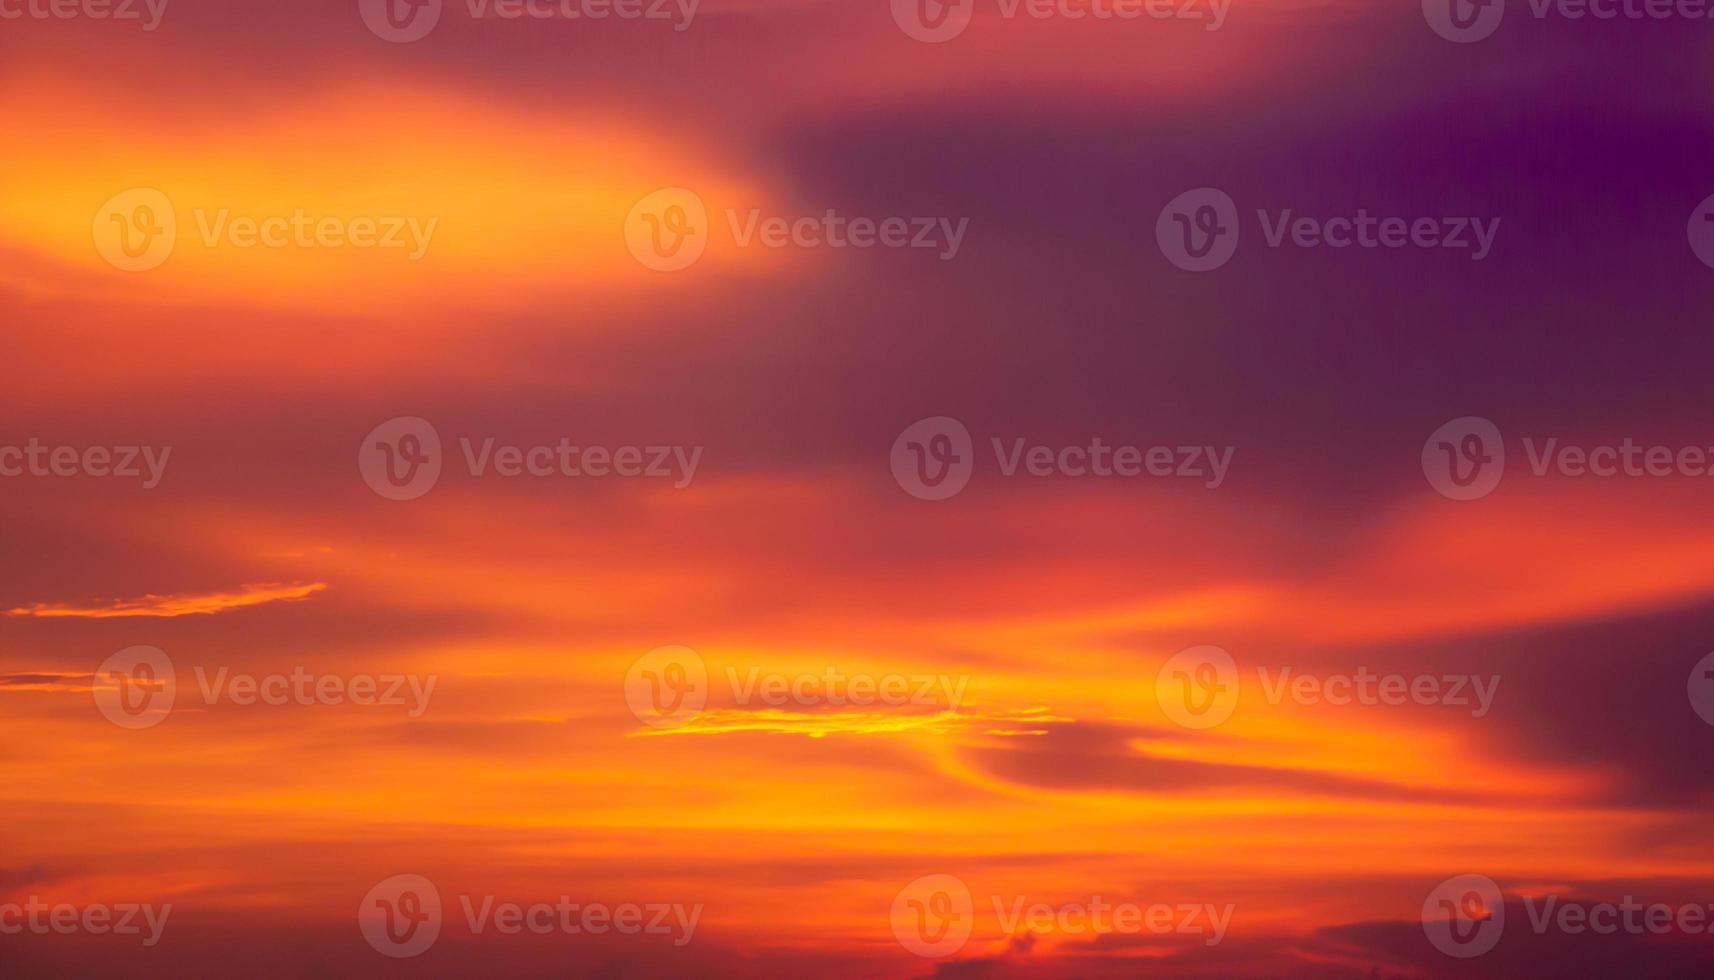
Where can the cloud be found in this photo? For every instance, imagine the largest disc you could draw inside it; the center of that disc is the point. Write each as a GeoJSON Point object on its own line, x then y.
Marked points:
{"type": "Point", "coordinates": [817, 724]}
{"type": "Point", "coordinates": [182, 604]}
{"type": "Point", "coordinates": [1087, 756]}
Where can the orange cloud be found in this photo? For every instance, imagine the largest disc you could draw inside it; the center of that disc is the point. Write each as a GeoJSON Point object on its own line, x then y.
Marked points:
{"type": "Point", "coordinates": [185, 604]}
{"type": "Point", "coordinates": [365, 196]}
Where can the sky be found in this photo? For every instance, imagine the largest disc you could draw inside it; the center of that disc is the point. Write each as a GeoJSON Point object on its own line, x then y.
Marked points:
{"type": "Point", "coordinates": [836, 488]}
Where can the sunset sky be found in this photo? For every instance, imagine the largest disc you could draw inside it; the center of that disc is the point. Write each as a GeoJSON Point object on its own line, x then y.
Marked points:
{"type": "Point", "coordinates": [1034, 743]}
